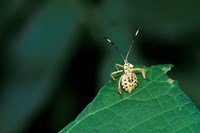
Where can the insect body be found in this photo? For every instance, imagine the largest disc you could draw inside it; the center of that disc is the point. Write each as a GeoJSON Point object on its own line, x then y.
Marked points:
{"type": "Point", "coordinates": [128, 80]}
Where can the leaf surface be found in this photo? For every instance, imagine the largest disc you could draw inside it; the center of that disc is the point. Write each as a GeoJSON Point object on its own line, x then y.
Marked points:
{"type": "Point", "coordinates": [156, 105]}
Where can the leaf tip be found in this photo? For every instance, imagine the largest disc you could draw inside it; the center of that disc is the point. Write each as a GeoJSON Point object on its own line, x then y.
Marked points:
{"type": "Point", "coordinates": [167, 68]}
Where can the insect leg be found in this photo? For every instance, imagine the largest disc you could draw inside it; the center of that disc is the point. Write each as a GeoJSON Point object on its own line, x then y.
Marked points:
{"type": "Point", "coordinates": [113, 73]}
{"type": "Point", "coordinates": [142, 71]}
{"type": "Point", "coordinates": [119, 86]}
{"type": "Point", "coordinates": [118, 65]}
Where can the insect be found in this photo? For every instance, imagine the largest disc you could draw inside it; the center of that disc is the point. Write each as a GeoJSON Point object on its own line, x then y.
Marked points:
{"type": "Point", "coordinates": [128, 80]}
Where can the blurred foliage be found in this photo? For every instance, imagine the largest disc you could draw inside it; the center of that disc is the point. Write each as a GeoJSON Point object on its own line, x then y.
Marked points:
{"type": "Point", "coordinates": [53, 56]}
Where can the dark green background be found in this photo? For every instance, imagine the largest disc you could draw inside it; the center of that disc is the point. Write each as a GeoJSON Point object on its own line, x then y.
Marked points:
{"type": "Point", "coordinates": [53, 56]}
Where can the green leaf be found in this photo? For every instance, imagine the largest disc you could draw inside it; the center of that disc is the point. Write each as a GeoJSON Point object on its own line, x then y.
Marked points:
{"type": "Point", "coordinates": [157, 105]}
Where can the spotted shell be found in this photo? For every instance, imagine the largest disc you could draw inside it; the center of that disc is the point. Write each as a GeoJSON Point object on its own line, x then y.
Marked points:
{"type": "Point", "coordinates": [129, 81]}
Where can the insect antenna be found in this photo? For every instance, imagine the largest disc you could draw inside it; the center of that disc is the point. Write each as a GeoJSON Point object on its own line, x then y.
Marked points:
{"type": "Point", "coordinates": [115, 47]}
{"type": "Point", "coordinates": [136, 33]}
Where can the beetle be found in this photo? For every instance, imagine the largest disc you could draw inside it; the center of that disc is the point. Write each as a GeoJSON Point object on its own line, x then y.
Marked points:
{"type": "Point", "coordinates": [128, 80]}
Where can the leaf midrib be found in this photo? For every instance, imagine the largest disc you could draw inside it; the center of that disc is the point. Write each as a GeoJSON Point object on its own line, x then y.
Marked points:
{"type": "Point", "coordinates": [89, 114]}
